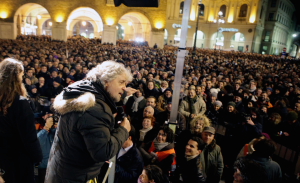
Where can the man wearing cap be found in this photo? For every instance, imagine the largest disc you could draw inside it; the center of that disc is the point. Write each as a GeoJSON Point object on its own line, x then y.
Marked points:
{"type": "Point", "coordinates": [211, 157]}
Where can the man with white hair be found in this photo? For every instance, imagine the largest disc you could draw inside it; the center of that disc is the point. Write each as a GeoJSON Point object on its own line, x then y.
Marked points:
{"type": "Point", "coordinates": [86, 136]}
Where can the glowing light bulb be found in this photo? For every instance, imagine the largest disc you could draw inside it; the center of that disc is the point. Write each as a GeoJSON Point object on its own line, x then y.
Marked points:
{"type": "Point", "coordinates": [129, 23]}
{"type": "Point", "coordinates": [83, 23]}
{"type": "Point", "coordinates": [50, 23]}
{"type": "Point", "coordinates": [38, 17]}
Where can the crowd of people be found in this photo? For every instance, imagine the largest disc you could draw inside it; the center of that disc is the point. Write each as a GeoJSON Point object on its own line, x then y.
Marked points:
{"type": "Point", "coordinates": [255, 98]}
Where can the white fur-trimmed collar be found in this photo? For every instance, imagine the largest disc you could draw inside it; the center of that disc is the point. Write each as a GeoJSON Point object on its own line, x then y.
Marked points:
{"type": "Point", "coordinates": [79, 104]}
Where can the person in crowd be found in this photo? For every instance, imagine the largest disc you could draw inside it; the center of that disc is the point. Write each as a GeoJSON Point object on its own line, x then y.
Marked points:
{"type": "Point", "coordinates": [163, 86]}
{"type": "Point", "coordinates": [196, 127]}
{"type": "Point", "coordinates": [161, 151]}
{"type": "Point", "coordinates": [20, 148]}
{"type": "Point", "coordinates": [41, 86]}
{"type": "Point", "coordinates": [263, 150]}
{"type": "Point", "coordinates": [29, 74]}
{"type": "Point", "coordinates": [191, 169]}
{"type": "Point", "coordinates": [56, 87]}
{"type": "Point", "coordinates": [238, 102]}
{"type": "Point", "coordinates": [211, 157]}
{"type": "Point", "coordinates": [148, 132]}
{"type": "Point", "coordinates": [136, 102]}
{"type": "Point", "coordinates": [129, 164]}
{"type": "Point", "coordinates": [289, 130]}
{"type": "Point", "coordinates": [192, 106]}
{"type": "Point", "coordinates": [248, 171]}
{"type": "Point", "coordinates": [46, 137]}
{"type": "Point", "coordinates": [271, 126]}
{"type": "Point", "coordinates": [151, 90]}
{"type": "Point", "coordinates": [152, 174]}
{"type": "Point", "coordinates": [164, 99]}
{"type": "Point", "coordinates": [264, 100]}
{"type": "Point", "coordinates": [214, 114]}
{"type": "Point", "coordinates": [164, 117]}
{"type": "Point", "coordinates": [84, 111]}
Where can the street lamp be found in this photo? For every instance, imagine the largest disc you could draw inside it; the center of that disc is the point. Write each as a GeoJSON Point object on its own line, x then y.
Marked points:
{"type": "Point", "coordinates": [294, 35]}
{"type": "Point", "coordinates": [219, 21]}
{"type": "Point", "coordinates": [195, 41]}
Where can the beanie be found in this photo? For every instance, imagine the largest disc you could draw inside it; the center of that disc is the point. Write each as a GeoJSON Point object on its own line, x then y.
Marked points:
{"type": "Point", "coordinates": [57, 79]}
{"type": "Point", "coordinates": [292, 115]}
{"type": "Point", "coordinates": [270, 89]}
{"type": "Point", "coordinates": [214, 94]}
{"type": "Point", "coordinates": [231, 103]}
{"type": "Point", "coordinates": [218, 103]}
{"type": "Point", "coordinates": [70, 77]}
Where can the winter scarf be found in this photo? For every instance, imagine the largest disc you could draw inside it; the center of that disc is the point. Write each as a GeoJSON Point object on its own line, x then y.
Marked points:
{"type": "Point", "coordinates": [191, 102]}
{"type": "Point", "coordinates": [159, 146]}
{"type": "Point", "coordinates": [135, 104]}
{"type": "Point", "coordinates": [143, 133]}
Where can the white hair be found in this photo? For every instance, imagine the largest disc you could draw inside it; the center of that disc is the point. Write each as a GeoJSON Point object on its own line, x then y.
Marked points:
{"type": "Point", "coordinates": [108, 71]}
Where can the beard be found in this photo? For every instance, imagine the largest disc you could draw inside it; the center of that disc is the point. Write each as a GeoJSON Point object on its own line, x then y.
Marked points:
{"type": "Point", "coordinates": [116, 98]}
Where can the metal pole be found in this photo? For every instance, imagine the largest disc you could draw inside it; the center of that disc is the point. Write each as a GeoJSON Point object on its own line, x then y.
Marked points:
{"type": "Point", "coordinates": [195, 41]}
{"type": "Point", "coordinates": [180, 61]}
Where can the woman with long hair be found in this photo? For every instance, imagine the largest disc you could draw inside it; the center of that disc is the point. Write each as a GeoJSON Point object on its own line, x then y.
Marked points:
{"type": "Point", "coordinates": [20, 148]}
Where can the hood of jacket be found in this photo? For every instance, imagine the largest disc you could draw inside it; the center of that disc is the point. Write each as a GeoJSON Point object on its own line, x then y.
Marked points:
{"type": "Point", "coordinates": [80, 96]}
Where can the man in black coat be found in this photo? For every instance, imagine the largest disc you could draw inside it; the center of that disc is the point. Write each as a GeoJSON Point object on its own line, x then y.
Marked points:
{"type": "Point", "coordinates": [129, 164]}
{"type": "Point", "coordinates": [264, 148]}
{"type": "Point", "coordinates": [85, 136]}
{"type": "Point", "coordinates": [190, 169]}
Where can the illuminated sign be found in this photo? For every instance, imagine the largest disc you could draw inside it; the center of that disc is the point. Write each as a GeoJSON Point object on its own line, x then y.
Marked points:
{"type": "Point", "coordinates": [179, 26]}
{"type": "Point", "coordinates": [228, 30]}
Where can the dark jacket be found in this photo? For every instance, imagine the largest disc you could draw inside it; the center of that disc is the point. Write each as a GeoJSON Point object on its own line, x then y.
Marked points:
{"type": "Point", "coordinates": [128, 106]}
{"type": "Point", "coordinates": [181, 142]}
{"type": "Point", "coordinates": [129, 166]}
{"type": "Point", "coordinates": [154, 92]}
{"type": "Point", "coordinates": [212, 162]}
{"type": "Point", "coordinates": [85, 136]}
{"type": "Point", "coordinates": [191, 171]}
{"type": "Point", "coordinates": [20, 148]}
{"type": "Point", "coordinates": [272, 168]}
{"type": "Point", "coordinates": [46, 140]}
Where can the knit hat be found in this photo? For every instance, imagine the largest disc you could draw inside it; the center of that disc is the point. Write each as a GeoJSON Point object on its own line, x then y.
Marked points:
{"type": "Point", "coordinates": [57, 80]}
{"type": "Point", "coordinates": [218, 103]}
{"type": "Point", "coordinates": [214, 94]}
{"type": "Point", "coordinates": [168, 89]}
{"type": "Point", "coordinates": [292, 115]}
{"type": "Point", "coordinates": [54, 69]}
{"type": "Point", "coordinates": [32, 87]}
{"type": "Point", "coordinates": [270, 89]}
{"type": "Point", "coordinates": [238, 94]}
{"type": "Point", "coordinates": [231, 104]}
{"type": "Point", "coordinates": [70, 77]}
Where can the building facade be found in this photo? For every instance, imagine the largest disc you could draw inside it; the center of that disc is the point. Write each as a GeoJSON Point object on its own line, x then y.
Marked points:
{"type": "Point", "coordinates": [261, 26]}
{"type": "Point", "coordinates": [280, 28]}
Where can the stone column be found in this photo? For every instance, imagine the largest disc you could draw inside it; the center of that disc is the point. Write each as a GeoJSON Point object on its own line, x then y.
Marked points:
{"type": "Point", "coordinates": [77, 29]}
{"type": "Point", "coordinates": [157, 37]}
{"type": "Point", "coordinates": [109, 34]}
{"type": "Point", "coordinates": [7, 30]}
{"type": "Point", "coordinates": [59, 31]}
